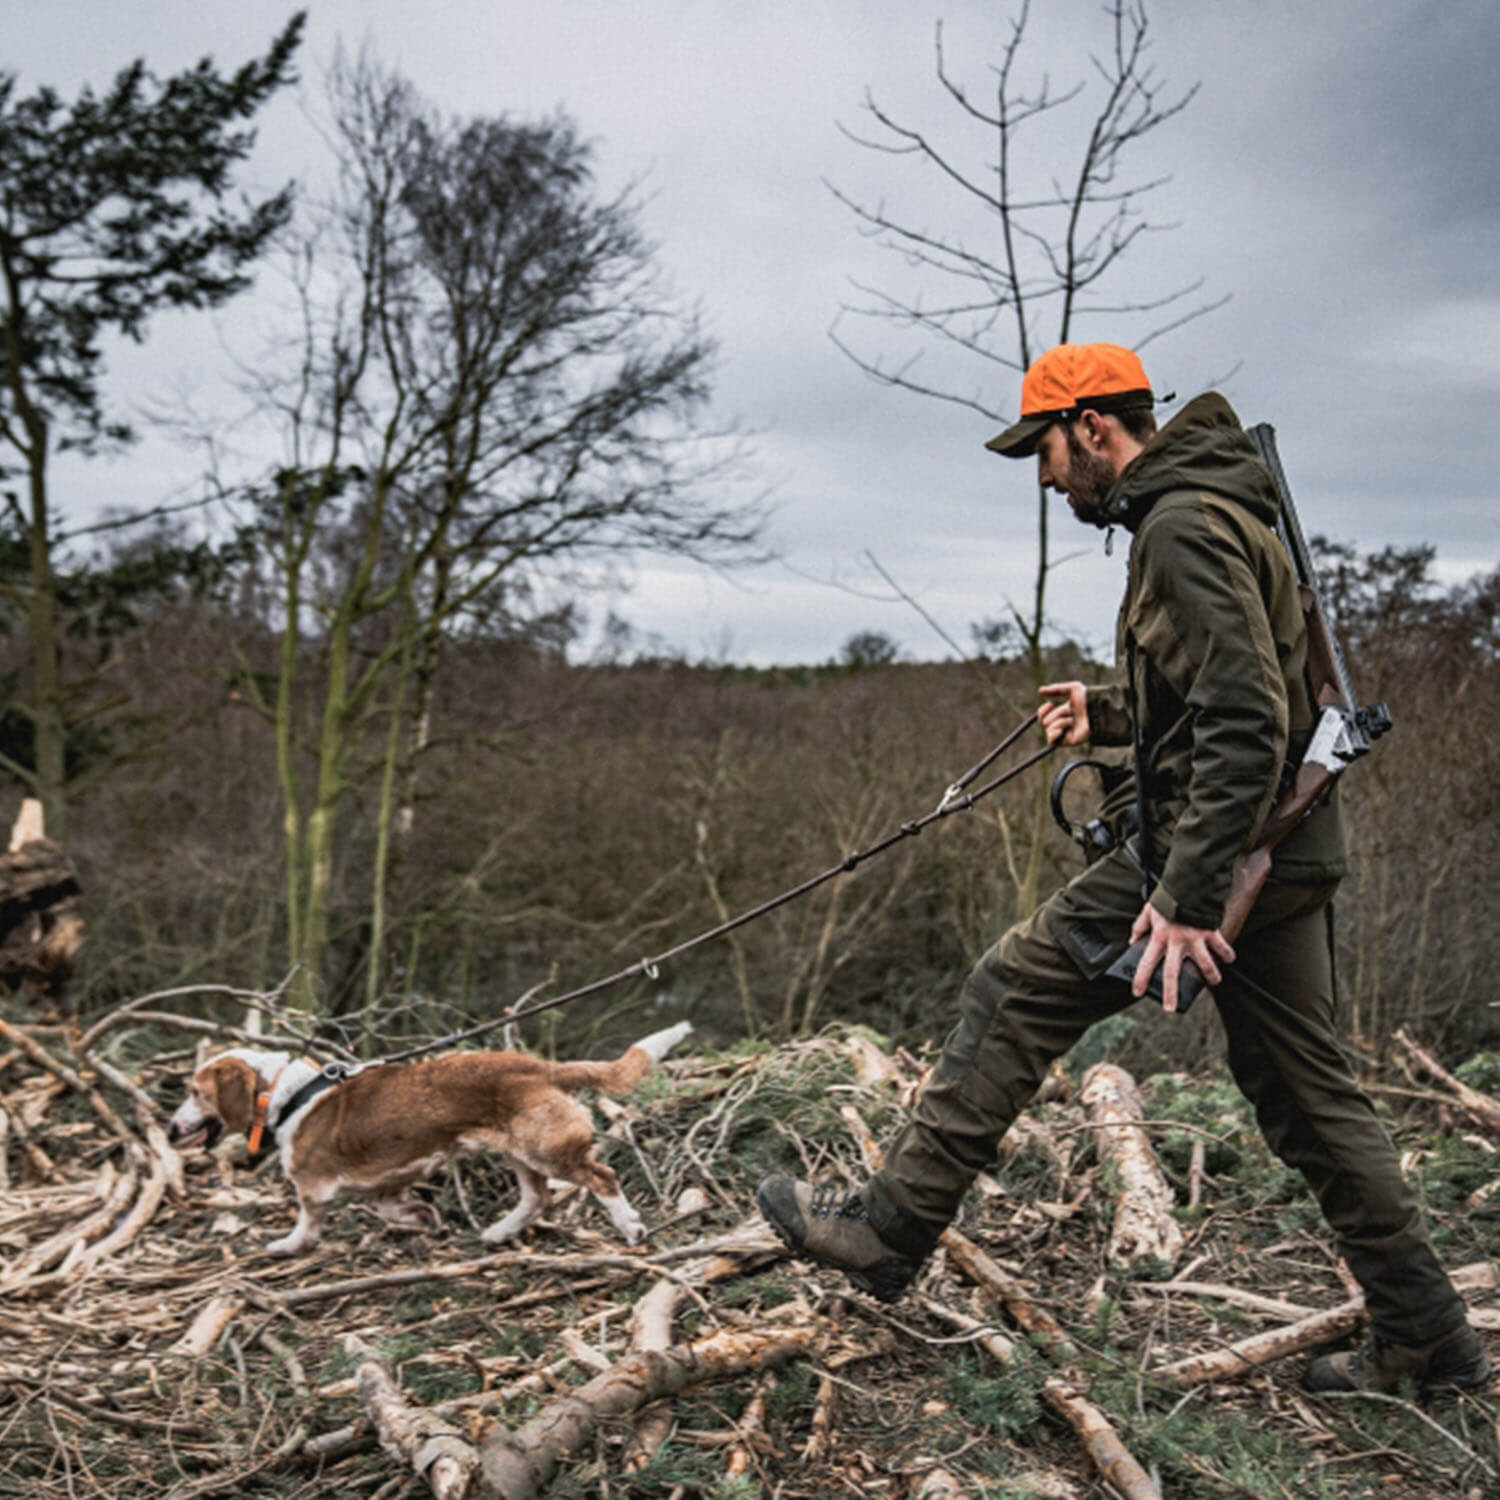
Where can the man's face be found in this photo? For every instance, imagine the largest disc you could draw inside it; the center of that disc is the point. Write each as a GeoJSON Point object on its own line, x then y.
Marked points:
{"type": "Point", "coordinates": [1085, 476]}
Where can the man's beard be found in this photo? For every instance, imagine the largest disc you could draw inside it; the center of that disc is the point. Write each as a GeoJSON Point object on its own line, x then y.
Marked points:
{"type": "Point", "coordinates": [1090, 479]}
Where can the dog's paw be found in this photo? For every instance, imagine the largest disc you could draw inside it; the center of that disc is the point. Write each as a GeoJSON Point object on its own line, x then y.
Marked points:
{"type": "Point", "coordinates": [501, 1232]}
{"type": "Point", "coordinates": [632, 1228]}
{"type": "Point", "coordinates": [288, 1244]}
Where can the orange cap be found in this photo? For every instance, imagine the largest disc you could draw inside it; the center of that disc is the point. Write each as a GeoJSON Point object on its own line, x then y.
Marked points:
{"type": "Point", "coordinates": [1065, 380]}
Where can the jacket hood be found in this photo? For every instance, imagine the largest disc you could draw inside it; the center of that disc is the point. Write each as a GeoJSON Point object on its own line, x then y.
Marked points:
{"type": "Point", "coordinates": [1202, 448]}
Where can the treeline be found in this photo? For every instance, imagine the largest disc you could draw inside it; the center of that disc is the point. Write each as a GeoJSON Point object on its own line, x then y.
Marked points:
{"type": "Point", "coordinates": [329, 728]}
{"type": "Point", "coordinates": [573, 819]}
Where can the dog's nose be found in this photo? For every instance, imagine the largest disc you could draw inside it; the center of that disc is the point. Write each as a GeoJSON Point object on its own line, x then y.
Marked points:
{"type": "Point", "coordinates": [173, 1130]}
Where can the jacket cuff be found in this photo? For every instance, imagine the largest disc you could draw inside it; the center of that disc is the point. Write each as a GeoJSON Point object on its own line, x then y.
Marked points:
{"type": "Point", "coordinates": [1183, 913]}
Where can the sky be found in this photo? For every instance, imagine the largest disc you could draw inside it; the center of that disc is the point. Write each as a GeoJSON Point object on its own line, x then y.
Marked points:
{"type": "Point", "coordinates": [1334, 177]}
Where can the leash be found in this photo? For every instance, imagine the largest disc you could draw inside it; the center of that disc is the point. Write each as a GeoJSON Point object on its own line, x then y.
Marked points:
{"type": "Point", "coordinates": [957, 798]}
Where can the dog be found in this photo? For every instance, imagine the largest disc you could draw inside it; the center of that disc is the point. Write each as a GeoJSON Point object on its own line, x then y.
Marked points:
{"type": "Point", "coordinates": [379, 1128]}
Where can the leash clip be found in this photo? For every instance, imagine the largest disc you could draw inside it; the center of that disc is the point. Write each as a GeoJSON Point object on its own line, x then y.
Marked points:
{"type": "Point", "coordinates": [954, 792]}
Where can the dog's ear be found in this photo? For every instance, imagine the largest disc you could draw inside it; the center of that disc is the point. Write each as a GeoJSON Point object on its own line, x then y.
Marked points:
{"type": "Point", "coordinates": [231, 1092]}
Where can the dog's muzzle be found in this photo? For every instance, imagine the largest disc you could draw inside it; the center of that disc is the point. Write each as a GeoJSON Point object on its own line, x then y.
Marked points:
{"type": "Point", "coordinates": [198, 1132]}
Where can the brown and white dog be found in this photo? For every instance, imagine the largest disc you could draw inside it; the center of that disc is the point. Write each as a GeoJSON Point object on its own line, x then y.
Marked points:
{"type": "Point", "coordinates": [384, 1126]}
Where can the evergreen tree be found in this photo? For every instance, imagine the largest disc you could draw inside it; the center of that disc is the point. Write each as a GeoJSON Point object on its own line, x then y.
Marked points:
{"type": "Point", "coordinates": [110, 208]}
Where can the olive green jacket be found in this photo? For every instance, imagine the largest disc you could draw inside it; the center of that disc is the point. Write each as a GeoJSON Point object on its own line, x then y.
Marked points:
{"type": "Point", "coordinates": [1212, 623]}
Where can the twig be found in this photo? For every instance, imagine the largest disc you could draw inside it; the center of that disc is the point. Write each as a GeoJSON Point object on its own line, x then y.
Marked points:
{"type": "Point", "coordinates": [1416, 1411]}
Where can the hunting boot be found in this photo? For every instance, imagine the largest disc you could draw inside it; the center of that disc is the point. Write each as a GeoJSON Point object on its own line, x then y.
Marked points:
{"type": "Point", "coordinates": [828, 1223]}
{"type": "Point", "coordinates": [1456, 1361]}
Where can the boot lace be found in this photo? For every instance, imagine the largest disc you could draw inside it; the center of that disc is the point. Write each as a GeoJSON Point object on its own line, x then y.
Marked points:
{"type": "Point", "coordinates": [832, 1200]}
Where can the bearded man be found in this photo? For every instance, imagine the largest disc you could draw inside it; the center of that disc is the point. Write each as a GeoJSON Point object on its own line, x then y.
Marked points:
{"type": "Point", "coordinates": [1216, 707]}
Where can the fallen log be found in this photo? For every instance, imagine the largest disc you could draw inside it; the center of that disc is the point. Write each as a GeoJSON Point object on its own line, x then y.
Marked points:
{"type": "Point", "coordinates": [64, 1074]}
{"type": "Point", "coordinates": [1235, 1360]}
{"type": "Point", "coordinates": [1273, 1307]}
{"type": "Point", "coordinates": [115, 1190]}
{"type": "Point", "coordinates": [1144, 1227]}
{"type": "Point", "coordinates": [1101, 1442]}
{"type": "Point", "coordinates": [1046, 1332]}
{"type": "Point", "coordinates": [1259, 1349]}
{"type": "Point", "coordinates": [518, 1465]}
{"type": "Point", "coordinates": [212, 1319]}
{"type": "Point", "coordinates": [651, 1331]}
{"type": "Point", "coordinates": [1001, 1349]}
{"type": "Point", "coordinates": [1480, 1107]}
{"type": "Point", "coordinates": [819, 1444]}
{"type": "Point", "coordinates": [436, 1451]}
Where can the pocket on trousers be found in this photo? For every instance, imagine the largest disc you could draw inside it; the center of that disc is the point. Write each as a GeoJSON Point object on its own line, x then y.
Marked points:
{"type": "Point", "coordinates": [1088, 945]}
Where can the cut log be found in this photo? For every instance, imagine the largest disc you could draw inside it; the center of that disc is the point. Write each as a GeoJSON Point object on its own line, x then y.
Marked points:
{"type": "Point", "coordinates": [29, 826]}
{"type": "Point", "coordinates": [41, 930]}
{"type": "Point", "coordinates": [1144, 1229]}
{"type": "Point", "coordinates": [213, 1318]}
{"type": "Point", "coordinates": [750, 1430]}
{"type": "Point", "coordinates": [819, 1444]}
{"type": "Point", "coordinates": [651, 1329]}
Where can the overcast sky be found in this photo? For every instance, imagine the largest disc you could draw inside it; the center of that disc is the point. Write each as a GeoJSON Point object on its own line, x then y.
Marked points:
{"type": "Point", "coordinates": [1336, 177]}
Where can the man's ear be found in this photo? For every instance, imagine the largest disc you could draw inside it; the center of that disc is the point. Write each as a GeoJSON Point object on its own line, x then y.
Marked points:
{"type": "Point", "coordinates": [1095, 427]}
{"type": "Point", "coordinates": [233, 1092]}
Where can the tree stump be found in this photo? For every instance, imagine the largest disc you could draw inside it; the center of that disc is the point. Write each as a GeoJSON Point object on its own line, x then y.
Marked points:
{"type": "Point", "coordinates": [41, 929]}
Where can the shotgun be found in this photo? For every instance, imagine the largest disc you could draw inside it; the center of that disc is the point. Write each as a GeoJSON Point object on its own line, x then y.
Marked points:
{"type": "Point", "coordinates": [1344, 732]}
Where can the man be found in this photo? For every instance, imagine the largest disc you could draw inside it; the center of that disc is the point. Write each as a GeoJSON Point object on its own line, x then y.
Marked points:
{"type": "Point", "coordinates": [1216, 707]}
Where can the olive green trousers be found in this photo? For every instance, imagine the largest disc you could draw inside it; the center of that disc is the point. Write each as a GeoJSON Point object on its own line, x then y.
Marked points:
{"type": "Point", "coordinates": [1035, 993]}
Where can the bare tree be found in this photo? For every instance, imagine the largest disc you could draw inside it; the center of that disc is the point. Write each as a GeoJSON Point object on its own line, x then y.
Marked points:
{"type": "Point", "coordinates": [1053, 213]}
{"type": "Point", "coordinates": [489, 388]}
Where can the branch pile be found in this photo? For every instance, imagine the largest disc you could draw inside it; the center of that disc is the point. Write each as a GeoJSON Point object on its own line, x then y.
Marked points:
{"type": "Point", "coordinates": [150, 1348]}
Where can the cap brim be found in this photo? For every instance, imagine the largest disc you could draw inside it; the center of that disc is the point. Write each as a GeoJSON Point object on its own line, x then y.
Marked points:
{"type": "Point", "coordinates": [1020, 440]}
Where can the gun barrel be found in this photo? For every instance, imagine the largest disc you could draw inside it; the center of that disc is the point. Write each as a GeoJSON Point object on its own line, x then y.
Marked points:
{"type": "Point", "coordinates": [1289, 529]}
{"type": "Point", "coordinates": [1288, 525]}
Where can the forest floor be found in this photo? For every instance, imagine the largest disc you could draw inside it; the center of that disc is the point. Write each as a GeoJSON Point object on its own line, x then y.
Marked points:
{"type": "Point", "coordinates": [150, 1347]}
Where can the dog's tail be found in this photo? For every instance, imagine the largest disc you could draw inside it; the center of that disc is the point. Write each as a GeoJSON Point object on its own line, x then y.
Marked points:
{"type": "Point", "coordinates": [624, 1072]}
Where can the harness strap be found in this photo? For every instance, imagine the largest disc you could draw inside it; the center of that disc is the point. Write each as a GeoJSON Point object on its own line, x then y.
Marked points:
{"type": "Point", "coordinates": [330, 1075]}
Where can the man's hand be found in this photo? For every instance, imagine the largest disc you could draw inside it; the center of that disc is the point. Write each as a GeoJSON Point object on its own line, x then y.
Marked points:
{"type": "Point", "coordinates": [1066, 717]}
{"type": "Point", "coordinates": [1168, 944]}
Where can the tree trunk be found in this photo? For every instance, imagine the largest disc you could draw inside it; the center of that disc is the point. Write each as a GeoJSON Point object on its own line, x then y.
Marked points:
{"type": "Point", "coordinates": [47, 721]}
